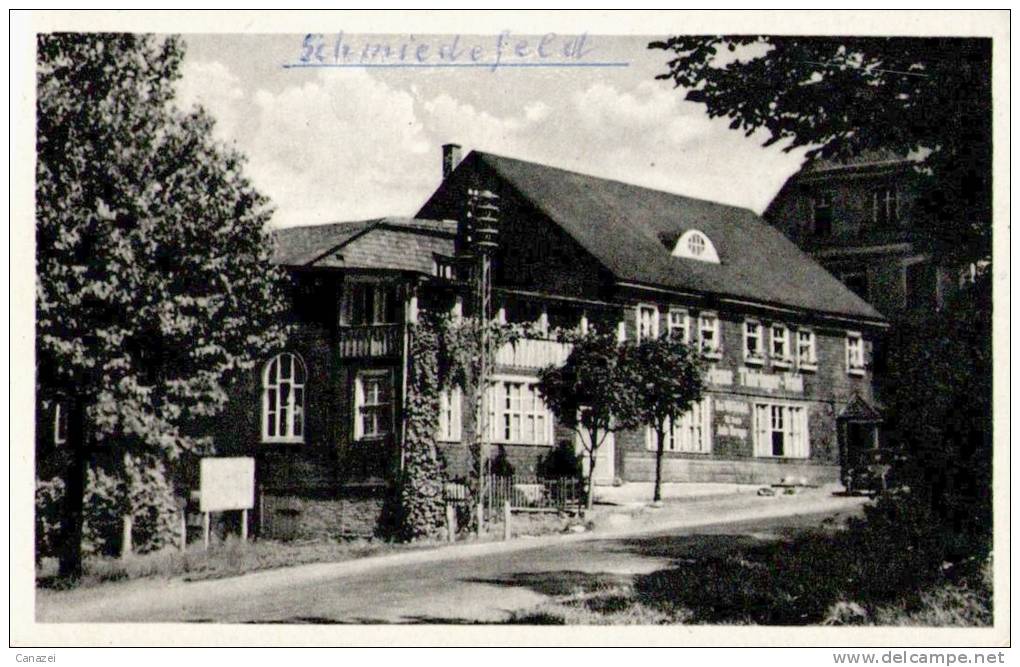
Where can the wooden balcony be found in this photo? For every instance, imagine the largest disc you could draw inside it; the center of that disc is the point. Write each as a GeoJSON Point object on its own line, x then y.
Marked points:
{"type": "Point", "coordinates": [533, 354]}
{"type": "Point", "coordinates": [376, 340]}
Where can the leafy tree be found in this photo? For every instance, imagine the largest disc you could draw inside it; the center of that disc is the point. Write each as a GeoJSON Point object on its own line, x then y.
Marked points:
{"type": "Point", "coordinates": [154, 283]}
{"type": "Point", "coordinates": [839, 96]}
{"type": "Point", "coordinates": [588, 394]}
{"type": "Point", "coordinates": [663, 379]}
{"type": "Point", "coordinates": [939, 407]}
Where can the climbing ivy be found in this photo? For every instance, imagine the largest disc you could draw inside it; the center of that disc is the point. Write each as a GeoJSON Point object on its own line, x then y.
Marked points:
{"type": "Point", "coordinates": [414, 507]}
{"type": "Point", "coordinates": [443, 353]}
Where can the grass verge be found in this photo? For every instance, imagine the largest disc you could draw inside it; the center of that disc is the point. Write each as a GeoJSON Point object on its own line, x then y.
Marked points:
{"type": "Point", "coordinates": [233, 557]}
{"type": "Point", "coordinates": [851, 573]}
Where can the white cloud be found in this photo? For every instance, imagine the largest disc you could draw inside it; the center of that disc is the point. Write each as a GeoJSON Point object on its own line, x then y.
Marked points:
{"type": "Point", "coordinates": [215, 87]}
{"type": "Point", "coordinates": [347, 145]}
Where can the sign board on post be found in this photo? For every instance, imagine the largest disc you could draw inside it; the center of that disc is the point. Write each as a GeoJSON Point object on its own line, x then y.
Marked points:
{"type": "Point", "coordinates": [227, 484]}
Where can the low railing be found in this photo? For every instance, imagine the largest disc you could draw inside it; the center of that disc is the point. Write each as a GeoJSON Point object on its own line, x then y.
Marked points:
{"type": "Point", "coordinates": [376, 340]}
{"type": "Point", "coordinates": [535, 494]}
{"type": "Point", "coordinates": [532, 354]}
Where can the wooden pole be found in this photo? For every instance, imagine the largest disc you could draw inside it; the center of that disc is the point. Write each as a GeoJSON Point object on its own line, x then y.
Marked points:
{"type": "Point", "coordinates": [205, 530]}
{"type": "Point", "coordinates": [244, 525]}
{"type": "Point", "coordinates": [184, 530]}
{"type": "Point", "coordinates": [506, 520]}
{"type": "Point", "coordinates": [451, 522]}
{"type": "Point", "coordinates": [125, 541]}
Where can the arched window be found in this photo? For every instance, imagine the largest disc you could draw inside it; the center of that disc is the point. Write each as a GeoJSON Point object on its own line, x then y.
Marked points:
{"type": "Point", "coordinates": [693, 244]}
{"type": "Point", "coordinates": [283, 399]}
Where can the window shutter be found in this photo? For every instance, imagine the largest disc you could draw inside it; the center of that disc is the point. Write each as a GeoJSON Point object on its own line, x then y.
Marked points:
{"type": "Point", "coordinates": [706, 425]}
{"type": "Point", "coordinates": [805, 436]}
{"type": "Point", "coordinates": [762, 444]}
{"type": "Point", "coordinates": [359, 401]}
{"type": "Point", "coordinates": [492, 398]}
{"type": "Point", "coordinates": [455, 421]}
{"type": "Point", "coordinates": [346, 297]}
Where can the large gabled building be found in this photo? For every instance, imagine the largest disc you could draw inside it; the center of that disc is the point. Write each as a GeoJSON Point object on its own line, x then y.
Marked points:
{"type": "Point", "coordinates": [788, 347]}
{"type": "Point", "coordinates": [858, 217]}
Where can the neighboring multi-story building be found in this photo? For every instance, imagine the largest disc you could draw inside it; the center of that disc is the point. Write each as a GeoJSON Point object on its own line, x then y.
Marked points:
{"type": "Point", "coordinates": [857, 217]}
{"type": "Point", "coordinates": [788, 347]}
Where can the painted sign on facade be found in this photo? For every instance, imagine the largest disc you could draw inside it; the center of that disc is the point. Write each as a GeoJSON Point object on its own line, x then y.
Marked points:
{"type": "Point", "coordinates": [227, 484]}
{"type": "Point", "coordinates": [733, 418]}
{"type": "Point", "coordinates": [719, 376]}
{"type": "Point", "coordinates": [752, 378]}
{"type": "Point", "coordinates": [756, 379]}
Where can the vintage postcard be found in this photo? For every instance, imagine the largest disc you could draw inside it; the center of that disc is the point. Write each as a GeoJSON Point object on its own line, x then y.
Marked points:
{"type": "Point", "coordinates": [459, 328]}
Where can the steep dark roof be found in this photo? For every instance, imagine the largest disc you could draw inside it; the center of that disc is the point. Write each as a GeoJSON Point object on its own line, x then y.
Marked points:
{"type": "Point", "coordinates": [400, 244]}
{"type": "Point", "coordinates": [869, 158]}
{"type": "Point", "coordinates": [860, 410]}
{"type": "Point", "coordinates": [631, 231]}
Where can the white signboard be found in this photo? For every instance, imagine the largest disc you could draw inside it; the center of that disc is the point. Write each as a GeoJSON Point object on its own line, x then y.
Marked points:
{"type": "Point", "coordinates": [227, 484]}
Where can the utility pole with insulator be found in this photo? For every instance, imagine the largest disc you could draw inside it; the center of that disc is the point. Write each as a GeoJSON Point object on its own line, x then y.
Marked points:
{"type": "Point", "coordinates": [483, 231]}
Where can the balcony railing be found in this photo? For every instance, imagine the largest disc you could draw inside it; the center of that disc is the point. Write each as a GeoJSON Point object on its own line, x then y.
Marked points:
{"type": "Point", "coordinates": [532, 354]}
{"type": "Point", "coordinates": [376, 340]}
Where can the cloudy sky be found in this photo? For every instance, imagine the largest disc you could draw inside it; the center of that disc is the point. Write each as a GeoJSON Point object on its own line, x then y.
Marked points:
{"type": "Point", "coordinates": [349, 143]}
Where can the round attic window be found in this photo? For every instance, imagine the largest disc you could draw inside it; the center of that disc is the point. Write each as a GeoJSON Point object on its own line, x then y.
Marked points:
{"type": "Point", "coordinates": [693, 244]}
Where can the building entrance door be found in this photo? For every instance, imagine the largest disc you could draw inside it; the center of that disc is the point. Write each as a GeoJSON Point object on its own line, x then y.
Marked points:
{"type": "Point", "coordinates": [863, 466]}
{"type": "Point", "coordinates": [605, 458]}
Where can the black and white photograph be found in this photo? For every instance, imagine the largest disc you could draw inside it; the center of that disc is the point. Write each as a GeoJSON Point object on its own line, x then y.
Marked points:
{"type": "Point", "coordinates": [464, 320]}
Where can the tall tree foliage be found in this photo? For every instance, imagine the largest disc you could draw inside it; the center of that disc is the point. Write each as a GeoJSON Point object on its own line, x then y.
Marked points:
{"type": "Point", "coordinates": [154, 283]}
{"type": "Point", "coordinates": [839, 96]}
{"type": "Point", "coordinates": [589, 394]}
{"type": "Point", "coordinates": [663, 377]}
{"type": "Point", "coordinates": [939, 409]}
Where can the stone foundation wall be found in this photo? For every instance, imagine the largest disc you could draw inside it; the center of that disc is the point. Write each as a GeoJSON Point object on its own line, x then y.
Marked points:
{"type": "Point", "coordinates": [641, 468]}
{"type": "Point", "coordinates": [353, 514]}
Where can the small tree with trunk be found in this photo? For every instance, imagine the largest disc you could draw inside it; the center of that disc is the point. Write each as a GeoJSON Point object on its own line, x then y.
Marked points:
{"type": "Point", "coordinates": [588, 394]}
{"type": "Point", "coordinates": [662, 379]}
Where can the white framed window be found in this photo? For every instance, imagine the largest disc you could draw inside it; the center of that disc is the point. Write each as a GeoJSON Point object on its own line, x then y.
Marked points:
{"type": "Point", "coordinates": [806, 356]}
{"type": "Point", "coordinates": [373, 404]}
{"type": "Point", "coordinates": [680, 324]}
{"type": "Point", "coordinates": [708, 335]}
{"type": "Point", "coordinates": [754, 346]}
{"type": "Point", "coordinates": [449, 415]}
{"type": "Point", "coordinates": [365, 303]}
{"type": "Point", "coordinates": [885, 206]}
{"type": "Point", "coordinates": [517, 413]}
{"type": "Point", "coordinates": [59, 424]}
{"type": "Point", "coordinates": [283, 399]}
{"type": "Point", "coordinates": [647, 323]}
{"type": "Point", "coordinates": [854, 353]}
{"type": "Point", "coordinates": [780, 345]}
{"type": "Point", "coordinates": [781, 431]}
{"type": "Point", "coordinates": [692, 433]}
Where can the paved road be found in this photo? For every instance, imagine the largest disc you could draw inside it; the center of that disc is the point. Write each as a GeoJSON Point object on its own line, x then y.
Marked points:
{"type": "Point", "coordinates": [460, 586]}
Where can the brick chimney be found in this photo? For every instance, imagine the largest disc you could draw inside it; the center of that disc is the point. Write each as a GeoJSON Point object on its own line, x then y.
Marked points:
{"type": "Point", "coordinates": [451, 158]}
